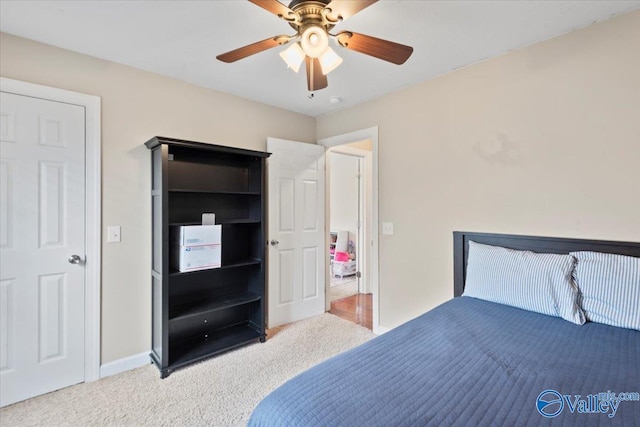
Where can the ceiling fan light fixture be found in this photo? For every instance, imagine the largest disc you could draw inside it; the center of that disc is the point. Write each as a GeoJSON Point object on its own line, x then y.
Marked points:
{"type": "Point", "coordinates": [329, 61]}
{"type": "Point", "coordinates": [293, 56]}
{"type": "Point", "coordinates": [314, 41]}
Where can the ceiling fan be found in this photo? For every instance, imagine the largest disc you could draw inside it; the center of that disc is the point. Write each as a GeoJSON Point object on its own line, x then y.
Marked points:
{"type": "Point", "coordinates": [312, 20]}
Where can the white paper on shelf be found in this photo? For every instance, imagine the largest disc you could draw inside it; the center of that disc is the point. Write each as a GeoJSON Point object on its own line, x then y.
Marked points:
{"type": "Point", "coordinates": [208, 219]}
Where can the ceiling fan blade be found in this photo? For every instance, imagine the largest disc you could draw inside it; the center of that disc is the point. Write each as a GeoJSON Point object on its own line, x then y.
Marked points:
{"type": "Point", "coordinates": [277, 8]}
{"type": "Point", "coordinates": [253, 48]}
{"type": "Point", "coordinates": [343, 9]}
{"type": "Point", "coordinates": [382, 49]}
{"type": "Point", "coordinates": [315, 79]}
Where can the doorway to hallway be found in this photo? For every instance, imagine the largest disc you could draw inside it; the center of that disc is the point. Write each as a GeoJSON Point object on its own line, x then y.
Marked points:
{"type": "Point", "coordinates": [349, 199]}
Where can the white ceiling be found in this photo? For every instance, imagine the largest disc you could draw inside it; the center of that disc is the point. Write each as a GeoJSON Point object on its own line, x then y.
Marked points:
{"type": "Point", "coordinates": [181, 39]}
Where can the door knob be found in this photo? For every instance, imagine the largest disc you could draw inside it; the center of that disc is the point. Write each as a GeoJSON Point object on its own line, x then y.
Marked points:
{"type": "Point", "coordinates": [75, 259]}
{"type": "Point", "coordinates": [274, 243]}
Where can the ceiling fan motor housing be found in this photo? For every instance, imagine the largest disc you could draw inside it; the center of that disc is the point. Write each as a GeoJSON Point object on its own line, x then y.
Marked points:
{"type": "Point", "coordinates": [311, 13]}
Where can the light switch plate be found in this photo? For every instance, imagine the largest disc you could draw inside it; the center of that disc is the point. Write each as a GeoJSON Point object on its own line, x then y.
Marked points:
{"type": "Point", "coordinates": [113, 234]}
{"type": "Point", "coordinates": [387, 228]}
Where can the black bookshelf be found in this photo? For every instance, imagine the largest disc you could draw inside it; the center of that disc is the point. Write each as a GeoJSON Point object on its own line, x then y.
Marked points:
{"type": "Point", "coordinates": [202, 313]}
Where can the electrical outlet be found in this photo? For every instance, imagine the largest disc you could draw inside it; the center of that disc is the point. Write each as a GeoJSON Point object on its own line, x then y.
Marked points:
{"type": "Point", "coordinates": [113, 234]}
{"type": "Point", "coordinates": [387, 228]}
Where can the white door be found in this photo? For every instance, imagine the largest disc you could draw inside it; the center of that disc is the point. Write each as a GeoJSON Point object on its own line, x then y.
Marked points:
{"type": "Point", "coordinates": [296, 231]}
{"type": "Point", "coordinates": [42, 187]}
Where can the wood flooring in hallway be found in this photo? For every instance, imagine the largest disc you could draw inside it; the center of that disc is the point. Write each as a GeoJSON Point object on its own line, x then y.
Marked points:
{"type": "Point", "coordinates": [356, 308]}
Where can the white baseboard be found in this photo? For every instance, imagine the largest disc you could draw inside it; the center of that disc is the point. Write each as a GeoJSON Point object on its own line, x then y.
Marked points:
{"type": "Point", "coordinates": [124, 364]}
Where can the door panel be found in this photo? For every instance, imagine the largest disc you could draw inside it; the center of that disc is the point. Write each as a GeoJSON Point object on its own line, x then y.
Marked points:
{"type": "Point", "coordinates": [310, 205]}
{"type": "Point", "coordinates": [287, 205]}
{"type": "Point", "coordinates": [7, 325]}
{"type": "Point", "coordinates": [310, 272]}
{"type": "Point", "coordinates": [42, 197]}
{"type": "Point", "coordinates": [296, 229]}
{"type": "Point", "coordinates": [52, 294]}
{"type": "Point", "coordinates": [52, 185]}
{"type": "Point", "coordinates": [285, 273]}
{"type": "Point", "coordinates": [5, 196]}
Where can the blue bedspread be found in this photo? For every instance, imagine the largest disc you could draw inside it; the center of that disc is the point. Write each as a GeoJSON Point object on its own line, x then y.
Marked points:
{"type": "Point", "coordinates": [468, 362]}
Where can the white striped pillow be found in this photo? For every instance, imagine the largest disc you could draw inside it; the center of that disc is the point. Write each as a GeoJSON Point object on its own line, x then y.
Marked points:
{"type": "Point", "coordinates": [610, 287]}
{"type": "Point", "coordinates": [524, 279]}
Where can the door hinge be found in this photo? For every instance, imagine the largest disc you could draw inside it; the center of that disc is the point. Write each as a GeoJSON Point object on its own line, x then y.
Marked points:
{"type": "Point", "coordinates": [358, 274]}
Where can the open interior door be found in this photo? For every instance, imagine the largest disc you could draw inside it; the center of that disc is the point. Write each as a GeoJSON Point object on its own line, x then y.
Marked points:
{"type": "Point", "coordinates": [296, 231]}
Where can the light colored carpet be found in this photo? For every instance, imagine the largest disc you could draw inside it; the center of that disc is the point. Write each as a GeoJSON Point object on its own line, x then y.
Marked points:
{"type": "Point", "coordinates": [222, 391]}
{"type": "Point", "coordinates": [342, 288]}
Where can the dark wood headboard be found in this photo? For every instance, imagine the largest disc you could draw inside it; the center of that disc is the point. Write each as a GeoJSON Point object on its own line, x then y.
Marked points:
{"type": "Point", "coordinates": [554, 245]}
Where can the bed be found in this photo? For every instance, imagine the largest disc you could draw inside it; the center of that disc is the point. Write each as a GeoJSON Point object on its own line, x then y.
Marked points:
{"type": "Point", "coordinates": [471, 362]}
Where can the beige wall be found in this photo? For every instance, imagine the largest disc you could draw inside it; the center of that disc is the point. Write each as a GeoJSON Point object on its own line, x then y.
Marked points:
{"type": "Point", "coordinates": [542, 141]}
{"type": "Point", "coordinates": [137, 105]}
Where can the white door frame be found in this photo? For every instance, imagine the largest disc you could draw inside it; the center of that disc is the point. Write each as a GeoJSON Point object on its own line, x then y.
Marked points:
{"type": "Point", "coordinates": [92, 212]}
{"type": "Point", "coordinates": [348, 138]}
